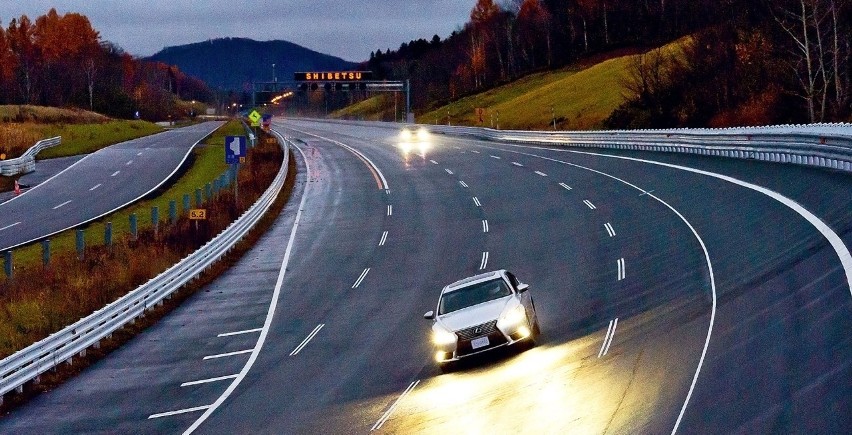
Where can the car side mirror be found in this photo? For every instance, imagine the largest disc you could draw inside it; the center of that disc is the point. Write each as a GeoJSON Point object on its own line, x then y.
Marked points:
{"type": "Point", "coordinates": [430, 315]}
{"type": "Point", "coordinates": [523, 287]}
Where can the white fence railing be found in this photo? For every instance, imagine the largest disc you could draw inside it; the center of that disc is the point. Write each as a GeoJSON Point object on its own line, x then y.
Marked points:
{"type": "Point", "coordinates": [29, 363]}
{"type": "Point", "coordinates": [26, 163]}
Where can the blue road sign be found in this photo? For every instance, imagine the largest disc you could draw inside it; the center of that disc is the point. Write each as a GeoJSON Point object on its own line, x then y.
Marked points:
{"type": "Point", "coordinates": [235, 149]}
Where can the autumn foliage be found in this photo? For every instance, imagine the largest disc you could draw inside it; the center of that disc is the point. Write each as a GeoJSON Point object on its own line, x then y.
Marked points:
{"type": "Point", "coordinates": [61, 60]}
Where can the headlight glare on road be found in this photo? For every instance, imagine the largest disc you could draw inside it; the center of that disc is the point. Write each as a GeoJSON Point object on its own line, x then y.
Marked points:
{"type": "Point", "coordinates": [405, 135]}
{"type": "Point", "coordinates": [441, 336]}
{"type": "Point", "coordinates": [422, 134]}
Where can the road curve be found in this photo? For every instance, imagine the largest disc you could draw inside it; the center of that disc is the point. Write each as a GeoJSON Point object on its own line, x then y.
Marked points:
{"type": "Point", "coordinates": [97, 185]}
{"type": "Point", "coordinates": [669, 300]}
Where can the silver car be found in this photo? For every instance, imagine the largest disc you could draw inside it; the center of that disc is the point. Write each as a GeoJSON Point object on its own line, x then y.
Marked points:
{"type": "Point", "coordinates": [481, 313]}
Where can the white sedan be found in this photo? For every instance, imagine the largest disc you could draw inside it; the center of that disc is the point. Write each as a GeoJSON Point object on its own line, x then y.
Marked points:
{"type": "Point", "coordinates": [480, 313]}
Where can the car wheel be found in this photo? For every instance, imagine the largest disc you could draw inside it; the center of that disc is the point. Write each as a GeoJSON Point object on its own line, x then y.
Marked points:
{"type": "Point", "coordinates": [447, 367]}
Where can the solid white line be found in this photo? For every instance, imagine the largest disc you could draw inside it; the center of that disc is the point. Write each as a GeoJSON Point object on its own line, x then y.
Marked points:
{"type": "Point", "coordinates": [269, 314]}
{"type": "Point", "coordinates": [449, 171]}
{"type": "Point", "coordinates": [517, 164]}
{"type": "Point", "coordinates": [129, 162]}
{"type": "Point", "coordinates": [62, 205]}
{"type": "Point", "coordinates": [390, 410]}
{"type": "Point", "coordinates": [352, 150]}
{"type": "Point", "coordinates": [384, 238]}
{"type": "Point", "coordinates": [433, 162]}
{"type": "Point", "coordinates": [247, 331]}
{"type": "Point", "coordinates": [836, 242]}
{"type": "Point", "coordinates": [307, 340]}
{"type": "Point", "coordinates": [223, 355]}
{"type": "Point", "coordinates": [589, 204]}
{"type": "Point", "coordinates": [95, 187]}
{"type": "Point", "coordinates": [484, 262]}
{"type": "Point", "coordinates": [208, 380]}
{"type": "Point", "coordinates": [463, 184]}
{"type": "Point", "coordinates": [541, 173]}
{"type": "Point", "coordinates": [361, 278]}
{"type": "Point", "coordinates": [611, 336]}
{"type": "Point", "coordinates": [476, 201]}
{"type": "Point", "coordinates": [484, 226]}
{"type": "Point", "coordinates": [606, 339]}
{"type": "Point", "coordinates": [567, 187]}
{"type": "Point", "coordinates": [496, 157]}
{"type": "Point", "coordinates": [179, 411]}
{"type": "Point", "coordinates": [390, 210]}
{"type": "Point", "coordinates": [115, 173]}
{"type": "Point", "coordinates": [9, 226]}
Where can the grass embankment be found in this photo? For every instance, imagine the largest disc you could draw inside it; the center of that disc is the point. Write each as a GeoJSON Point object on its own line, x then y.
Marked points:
{"type": "Point", "coordinates": [377, 108]}
{"type": "Point", "coordinates": [39, 300]}
{"type": "Point", "coordinates": [82, 132]}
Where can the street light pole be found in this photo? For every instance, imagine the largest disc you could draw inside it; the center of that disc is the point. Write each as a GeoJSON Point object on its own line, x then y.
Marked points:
{"type": "Point", "coordinates": [274, 79]}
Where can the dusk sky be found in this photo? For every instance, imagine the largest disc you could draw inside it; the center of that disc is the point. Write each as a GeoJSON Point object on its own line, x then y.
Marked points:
{"type": "Point", "coordinates": [347, 29]}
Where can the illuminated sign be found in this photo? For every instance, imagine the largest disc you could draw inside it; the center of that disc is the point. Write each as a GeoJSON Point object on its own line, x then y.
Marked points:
{"type": "Point", "coordinates": [348, 76]}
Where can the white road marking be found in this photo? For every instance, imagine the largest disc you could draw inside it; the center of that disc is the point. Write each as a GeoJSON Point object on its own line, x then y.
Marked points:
{"type": "Point", "coordinates": [474, 151]}
{"type": "Point", "coordinates": [390, 210]}
{"type": "Point", "coordinates": [463, 184]}
{"type": "Point", "coordinates": [589, 204]}
{"type": "Point", "coordinates": [390, 410]}
{"type": "Point", "coordinates": [246, 331]}
{"type": "Point", "coordinates": [541, 173]}
{"type": "Point", "coordinates": [828, 233]}
{"type": "Point", "coordinates": [567, 187]}
{"type": "Point", "coordinates": [9, 226]}
{"type": "Point", "coordinates": [476, 201]}
{"type": "Point", "coordinates": [179, 411]}
{"type": "Point", "coordinates": [610, 333]}
{"type": "Point", "coordinates": [387, 191]}
{"type": "Point", "coordinates": [62, 205]}
{"type": "Point", "coordinates": [609, 229]}
{"type": "Point", "coordinates": [139, 153]}
{"type": "Point", "coordinates": [384, 239]}
{"type": "Point", "coordinates": [115, 173]}
{"type": "Point", "coordinates": [518, 164]}
{"type": "Point", "coordinates": [484, 261]}
{"type": "Point", "coordinates": [129, 162]}
{"type": "Point", "coordinates": [306, 340]}
{"type": "Point", "coordinates": [496, 157]}
{"type": "Point", "coordinates": [622, 272]}
{"type": "Point", "coordinates": [208, 380]}
{"type": "Point", "coordinates": [224, 355]}
{"type": "Point", "coordinates": [433, 162]}
{"type": "Point", "coordinates": [95, 187]}
{"type": "Point", "coordinates": [449, 171]}
{"type": "Point", "coordinates": [361, 278]}
{"type": "Point", "coordinates": [484, 225]}
{"type": "Point", "coordinates": [357, 153]}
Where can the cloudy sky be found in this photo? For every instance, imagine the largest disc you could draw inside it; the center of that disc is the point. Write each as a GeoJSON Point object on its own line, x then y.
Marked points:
{"type": "Point", "coordinates": [348, 29]}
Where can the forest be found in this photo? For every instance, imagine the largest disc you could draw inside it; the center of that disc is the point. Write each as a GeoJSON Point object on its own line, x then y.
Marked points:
{"type": "Point", "coordinates": [61, 60]}
{"type": "Point", "coordinates": [744, 62]}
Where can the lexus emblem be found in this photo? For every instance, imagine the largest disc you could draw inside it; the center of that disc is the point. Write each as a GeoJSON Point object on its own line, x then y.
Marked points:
{"type": "Point", "coordinates": [478, 330]}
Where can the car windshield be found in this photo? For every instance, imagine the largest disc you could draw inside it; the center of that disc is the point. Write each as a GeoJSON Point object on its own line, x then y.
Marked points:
{"type": "Point", "coordinates": [472, 295]}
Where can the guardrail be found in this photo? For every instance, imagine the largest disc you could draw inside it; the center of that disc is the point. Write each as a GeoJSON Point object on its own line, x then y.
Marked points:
{"type": "Point", "coordinates": [27, 364]}
{"type": "Point", "coordinates": [821, 145]}
{"type": "Point", "coordinates": [26, 162]}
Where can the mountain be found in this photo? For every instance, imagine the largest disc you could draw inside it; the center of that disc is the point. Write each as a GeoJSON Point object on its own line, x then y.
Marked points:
{"type": "Point", "coordinates": [234, 63]}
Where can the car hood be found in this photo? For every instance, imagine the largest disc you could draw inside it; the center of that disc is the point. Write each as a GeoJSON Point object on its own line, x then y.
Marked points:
{"type": "Point", "coordinates": [475, 315]}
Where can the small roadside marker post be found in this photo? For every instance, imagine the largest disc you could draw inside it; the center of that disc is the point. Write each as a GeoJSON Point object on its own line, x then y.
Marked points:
{"type": "Point", "coordinates": [172, 212]}
{"type": "Point", "coordinates": [7, 264]}
{"type": "Point", "coordinates": [133, 227]}
{"type": "Point", "coordinates": [155, 220]}
{"type": "Point", "coordinates": [81, 244]}
{"type": "Point", "coordinates": [108, 234]}
{"type": "Point", "coordinates": [45, 252]}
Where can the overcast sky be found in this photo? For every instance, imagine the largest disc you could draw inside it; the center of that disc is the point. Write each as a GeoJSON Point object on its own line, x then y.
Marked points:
{"type": "Point", "coordinates": [348, 29]}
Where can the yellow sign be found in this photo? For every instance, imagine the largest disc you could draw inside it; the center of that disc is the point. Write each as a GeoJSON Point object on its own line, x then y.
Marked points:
{"type": "Point", "coordinates": [198, 214]}
{"type": "Point", "coordinates": [254, 116]}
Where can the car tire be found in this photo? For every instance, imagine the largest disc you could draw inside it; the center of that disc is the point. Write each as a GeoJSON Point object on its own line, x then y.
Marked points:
{"type": "Point", "coordinates": [447, 367]}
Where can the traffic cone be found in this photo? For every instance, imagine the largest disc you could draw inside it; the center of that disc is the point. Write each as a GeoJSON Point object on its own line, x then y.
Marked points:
{"type": "Point", "coordinates": [17, 188]}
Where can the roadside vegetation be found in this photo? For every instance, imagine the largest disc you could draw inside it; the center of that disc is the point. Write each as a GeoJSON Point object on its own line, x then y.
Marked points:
{"type": "Point", "coordinates": [40, 300]}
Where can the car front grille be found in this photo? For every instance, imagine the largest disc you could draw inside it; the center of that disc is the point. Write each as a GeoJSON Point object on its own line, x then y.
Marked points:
{"type": "Point", "coordinates": [477, 331]}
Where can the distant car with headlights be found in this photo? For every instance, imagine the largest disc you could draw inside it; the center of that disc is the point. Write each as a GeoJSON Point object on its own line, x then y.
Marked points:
{"type": "Point", "coordinates": [481, 313]}
{"type": "Point", "coordinates": [414, 140]}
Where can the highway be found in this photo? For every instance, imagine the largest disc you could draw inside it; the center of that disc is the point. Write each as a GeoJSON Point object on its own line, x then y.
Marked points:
{"type": "Point", "coordinates": [677, 293]}
{"type": "Point", "coordinates": [97, 184]}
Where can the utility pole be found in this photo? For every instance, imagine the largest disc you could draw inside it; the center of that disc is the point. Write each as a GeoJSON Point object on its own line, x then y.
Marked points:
{"type": "Point", "coordinates": [274, 78]}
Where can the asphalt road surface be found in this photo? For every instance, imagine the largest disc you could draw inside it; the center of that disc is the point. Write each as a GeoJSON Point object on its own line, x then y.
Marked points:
{"type": "Point", "coordinates": [97, 185]}
{"type": "Point", "coordinates": [670, 300]}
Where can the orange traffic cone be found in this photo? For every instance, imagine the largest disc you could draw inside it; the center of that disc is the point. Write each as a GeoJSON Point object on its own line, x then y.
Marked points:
{"type": "Point", "coordinates": [17, 188]}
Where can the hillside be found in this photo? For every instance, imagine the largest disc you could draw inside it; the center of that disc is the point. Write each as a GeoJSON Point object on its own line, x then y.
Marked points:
{"type": "Point", "coordinates": [231, 63]}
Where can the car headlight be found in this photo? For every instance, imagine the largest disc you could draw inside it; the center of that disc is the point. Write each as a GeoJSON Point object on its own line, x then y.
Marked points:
{"type": "Point", "coordinates": [405, 135]}
{"type": "Point", "coordinates": [422, 134]}
{"type": "Point", "coordinates": [513, 316]}
{"type": "Point", "coordinates": [440, 336]}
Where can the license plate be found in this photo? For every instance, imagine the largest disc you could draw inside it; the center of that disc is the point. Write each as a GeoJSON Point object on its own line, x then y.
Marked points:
{"type": "Point", "coordinates": [476, 343]}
